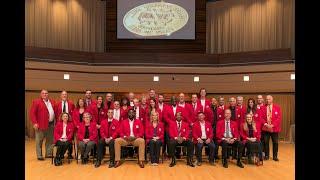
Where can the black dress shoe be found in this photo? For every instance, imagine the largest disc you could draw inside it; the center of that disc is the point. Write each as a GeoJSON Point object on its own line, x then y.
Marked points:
{"type": "Point", "coordinates": [211, 163]}
{"type": "Point", "coordinates": [216, 157]}
{"type": "Point", "coordinates": [48, 156]}
{"type": "Point", "coordinates": [173, 162]}
{"type": "Point", "coordinates": [141, 164]}
{"type": "Point", "coordinates": [225, 164]}
{"type": "Point", "coordinates": [198, 163]}
{"type": "Point", "coordinates": [190, 163]}
{"type": "Point", "coordinates": [40, 158]}
{"type": "Point", "coordinates": [70, 156]}
{"type": "Point", "coordinates": [97, 164]}
{"type": "Point", "coordinates": [275, 159]}
{"type": "Point", "coordinates": [266, 158]}
{"type": "Point", "coordinates": [111, 164]}
{"type": "Point", "coordinates": [240, 164]}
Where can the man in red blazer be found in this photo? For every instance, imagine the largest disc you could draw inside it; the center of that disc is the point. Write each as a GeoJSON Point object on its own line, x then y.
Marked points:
{"type": "Point", "coordinates": [236, 113]}
{"type": "Point", "coordinates": [131, 133]}
{"type": "Point", "coordinates": [196, 108]}
{"type": "Point", "coordinates": [179, 135]}
{"type": "Point", "coordinates": [109, 102]}
{"type": "Point", "coordinates": [221, 109]}
{"type": "Point", "coordinates": [186, 109]}
{"type": "Point", "coordinates": [152, 95]}
{"type": "Point", "coordinates": [271, 117]}
{"type": "Point", "coordinates": [161, 106]}
{"type": "Point", "coordinates": [42, 117]}
{"type": "Point", "coordinates": [118, 113]}
{"type": "Point", "coordinates": [260, 102]}
{"type": "Point", "coordinates": [242, 108]}
{"type": "Point", "coordinates": [131, 97]}
{"type": "Point", "coordinates": [88, 100]}
{"type": "Point", "coordinates": [64, 105]}
{"type": "Point", "coordinates": [205, 103]}
{"type": "Point", "coordinates": [202, 134]}
{"type": "Point", "coordinates": [109, 131]}
{"type": "Point", "coordinates": [228, 135]}
{"type": "Point", "coordinates": [214, 109]}
{"type": "Point", "coordinates": [139, 112]}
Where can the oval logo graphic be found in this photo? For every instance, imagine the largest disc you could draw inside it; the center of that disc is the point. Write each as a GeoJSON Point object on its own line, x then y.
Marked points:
{"type": "Point", "coordinates": [155, 19]}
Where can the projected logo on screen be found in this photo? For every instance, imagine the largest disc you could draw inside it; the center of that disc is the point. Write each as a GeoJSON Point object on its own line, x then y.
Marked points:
{"type": "Point", "coordinates": [155, 19]}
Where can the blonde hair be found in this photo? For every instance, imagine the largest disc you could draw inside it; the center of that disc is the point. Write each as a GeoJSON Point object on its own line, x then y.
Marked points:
{"type": "Point", "coordinates": [245, 125]}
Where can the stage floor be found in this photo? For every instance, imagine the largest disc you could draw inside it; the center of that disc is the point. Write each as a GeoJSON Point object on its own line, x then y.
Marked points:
{"type": "Point", "coordinates": [44, 170]}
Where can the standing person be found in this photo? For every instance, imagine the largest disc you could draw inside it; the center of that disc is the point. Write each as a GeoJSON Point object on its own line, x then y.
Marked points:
{"type": "Point", "coordinates": [109, 102]}
{"type": "Point", "coordinates": [125, 105]}
{"type": "Point", "coordinates": [152, 108]}
{"type": "Point", "coordinates": [205, 103]}
{"type": "Point", "coordinates": [196, 108]}
{"type": "Point", "coordinates": [214, 109]}
{"type": "Point", "coordinates": [87, 136]}
{"type": "Point", "coordinates": [63, 135]}
{"type": "Point", "coordinates": [242, 108]}
{"type": "Point", "coordinates": [77, 114]}
{"type": "Point", "coordinates": [42, 117]}
{"type": "Point", "coordinates": [98, 112]}
{"type": "Point", "coordinates": [221, 109]}
{"type": "Point", "coordinates": [131, 98]}
{"type": "Point", "coordinates": [109, 131]}
{"type": "Point", "coordinates": [228, 135]}
{"type": "Point", "coordinates": [131, 132]}
{"type": "Point", "coordinates": [260, 107]}
{"type": "Point", "coordinates": [88, 98]}
{"type": "Point", "coordinates": [154, 137]}
{"type": "Point", "coordinates": [64, 105]}
{"type": "Point", "coordinates": [117, 111]}
{"type": "Point", "coordinates": [203, 134]}
{"type": "Point", "coordinates": [186, 109]}
{"type": "Point", "coordinates": [272, 118]}
{"type": "Point", "coordinates": [256, 114]}
{"type": "Point", "coordinates": [179, 135]}
{"type": "Point", "coordinates": [250, 135]}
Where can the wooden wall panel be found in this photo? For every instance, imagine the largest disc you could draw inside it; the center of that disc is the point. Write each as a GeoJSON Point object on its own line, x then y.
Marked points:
{"type": "Point", "coordinates": [164, 46]}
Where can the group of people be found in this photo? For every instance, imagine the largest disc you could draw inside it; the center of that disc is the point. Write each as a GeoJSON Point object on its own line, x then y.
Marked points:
{"type": "Point", "coordinates": [152, 124]}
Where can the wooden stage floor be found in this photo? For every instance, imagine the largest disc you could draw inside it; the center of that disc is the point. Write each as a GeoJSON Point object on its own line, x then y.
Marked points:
{"type": "Point", "coordinates": [44, 170]}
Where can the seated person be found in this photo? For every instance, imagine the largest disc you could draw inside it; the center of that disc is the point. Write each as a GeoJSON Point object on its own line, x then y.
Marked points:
{"type": "Point", "coordinates": [250, 134]}
{"type": "Point", "coordinates": [87, 137]}
{"type": "Point", "coordinates": [178, 134]}
{"type": "Point", "coordinates": [154, 137]}
{"type": "Point", "coordinates": [228, 135]}
{"type": "Point", "coordinates": [109, 131]}
{"type": "Point", "coordinates": [63, 135]}
{"type": "Point", "coordinates": [203, 134]}
{"type": "Point", "coordinates": [131, 133]}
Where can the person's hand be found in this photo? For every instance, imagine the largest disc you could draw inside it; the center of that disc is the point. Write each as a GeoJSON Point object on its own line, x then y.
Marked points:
{"type": "Point", "coordinates": [271, 125]}
{"type": "Point", "coordinates": [231, 141]}
{"type": "Point", "coordinates": [107, 140]}
{"type": "Point", "coordinates": [36, 126]}
{"type": "Point", "coordinates": [132, 138]}
{"type": "Point", "coordinates": [78, 127]}
{"type": "Point", "coordinates": [86, 140]}
{"type": "Point", "coordinates": [208, 141]}
{"type": "Point", "coordinates": [126, 138]}
{"type": "Point", "coordinates": [180, 140]}
{"type": "Point", "coordinates": [98, 126]}
{"type": "Point", "coordinates": [253, 139]}
{"type": "Point", "coordinates": [200, 141]}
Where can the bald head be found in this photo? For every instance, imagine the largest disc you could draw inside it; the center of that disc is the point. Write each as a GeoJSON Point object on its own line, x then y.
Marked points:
{"type": "Point", "coordinates": [260, 99]}
{"type": "Point", "coordinates": [232, 101]}
{"type": "Point", "coordinates": [181, 97]}
{"type": "Point", "coordinates": [64, 95]}
{"type": "Point", "coordinates": [269, 99]}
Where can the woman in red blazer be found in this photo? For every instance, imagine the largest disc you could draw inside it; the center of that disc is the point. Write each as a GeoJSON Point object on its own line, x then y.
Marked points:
{"type": "Point", "coordinates": [87, 136]}
{"type": "Point", "coordinates": [250, 135]}
{"type": "Point", "coordinates": [256, 113]}
{"type": "Point", "coordinates": [77, 114]}
{"type": "Point", "coordinates": [152, 108]}
{"type": "Point", "coordinates": [125, 106]}
{"type": "Point", "coordinates": [154, 137]}
{"type": "Point", "coordinates": [63, 134]}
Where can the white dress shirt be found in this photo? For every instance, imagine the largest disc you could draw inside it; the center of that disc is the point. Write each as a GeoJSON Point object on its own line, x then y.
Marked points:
{"type": "Point", "coordinates": [50, 109]}
{"type": "Point", "coordinates": [137, 112]}
{"type": "Point", "coordinates": [67, 109]}
{"type": "Point", "coordinates": [203, 103]}
{"type": "Point", "coordinates": [110, 120]}
{"type": "Point", "coordinates": [116, 114]}
{"type": "Point", "coordinates": [174, 108]}
{"type": "Point", "coordinates": [225, 129]}
{"type": "Point", "coordinates": [131, 103]}
{"type": "Point", "coordinates": [182, 105]}
{"type": "Point", "coordinates": [131, 127]}
{"type": "Point", "coordinates": [203, 130]}
{"type": "Point", "coordinates": [64, 134]}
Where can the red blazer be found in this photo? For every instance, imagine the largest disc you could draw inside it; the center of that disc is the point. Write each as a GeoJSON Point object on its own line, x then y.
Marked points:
{"type": "Point", "coordinates": [220, 112]}
{"type": "Point", "coordinates": [106, 105]}
{"type": "Point", "coordinates": [244, 134]}
{"type": "Point", "coordinates": [187, 112]}
{"type": "Point", "coordinates": [168, 115]}
{"type": "Point", "coordinates": [149, 132]}
{"type": "Point", "coordinates": [195, 111]}
{"type": "Point", "coordinates": [138, 130]}
{"type": "Point", "coordinates": [93, 109]}
{"type": "Point", "coordinates": [173, 129]}
{"type": "Point", "coordinates": [93, 132]}
{"type": "Point", "coordinates": [58, 109]}
{"type": "Point", "coordinates": [142, 114]}
{"type": "Point", "coordinates": [124, 112]}
{"type": "Point", "coordinates": [238, 119]}
{"type": "Point", "coordinates": [39, 113]}
{"type": "Point", "coordinates": [221, 129]}
{"type": "Point", "coordinates": [243, 110]}
{"type": "Point", "coordinates": [196, 131]}
{"type": "Point", "coordinates": [276, 117]}
{"type": "Point", "coordinates": [209, 114]}
{"type": "Point", "coordinates": [76, 117]}
{"type": "Point", "coordinates": [112, 131]}
{"type": "Point", "coordinates": [207, 104]}
{"type": "Point", "coordinates": [58, 131]}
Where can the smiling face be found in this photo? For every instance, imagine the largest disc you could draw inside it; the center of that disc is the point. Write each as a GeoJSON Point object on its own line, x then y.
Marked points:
{"type": "Point", "coordinates": [178, 116]}
{"type": "Point", "coordinates": [88, 94]}
{"type": "Point", "coordinates": [109, 97]}
{"type": "Point", "coordinates": [65, 117]}
{"type": "Point", "coordinates": [110, 113]}
{"type": "Point", "coordinates": [44, 94]}
{"type": "Point", "coordinates": [152, 103]}
{"type": "Point", "coordinates": [86, 118]}
{"type": "Point", "coordinates": [194, 98]}
{"type": "Point", "coordinates": [64, 95]}
{"type": "Point", "coordinates": [249, 118]}
{"type": "Point", "coordinates": [227, 114]}
{"type": "Point", "coordinates": [131, 114]}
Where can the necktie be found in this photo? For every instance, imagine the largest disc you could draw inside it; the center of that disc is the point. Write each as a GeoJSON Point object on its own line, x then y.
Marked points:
{"type": "Point", "coordinates": [194, 107]}
{"type": "Point", "coordinates": [227, 130]}
{"type": "Point", "coordinates": [179, 128]}
{"type": "Point", "coordinates": [64, 106]}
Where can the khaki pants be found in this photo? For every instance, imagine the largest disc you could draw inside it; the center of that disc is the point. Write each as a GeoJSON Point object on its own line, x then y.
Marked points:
{"type": "Point", "coordinates": [139, 142]}
{"type": "Point", "coordinates": [40, 136]}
